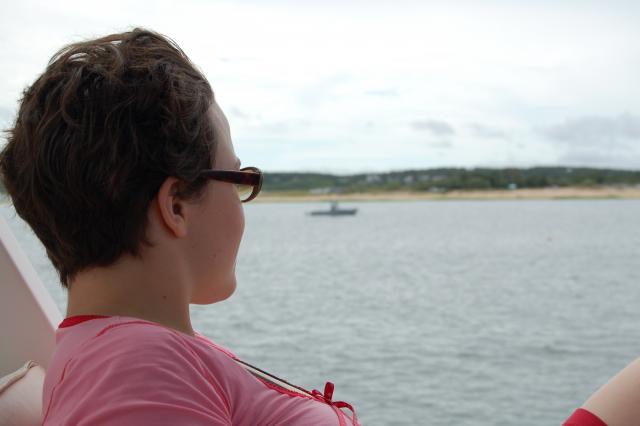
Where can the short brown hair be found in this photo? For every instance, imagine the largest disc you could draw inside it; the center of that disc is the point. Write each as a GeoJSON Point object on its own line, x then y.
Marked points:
{"type": "Point", "coordinates": [94, 138]}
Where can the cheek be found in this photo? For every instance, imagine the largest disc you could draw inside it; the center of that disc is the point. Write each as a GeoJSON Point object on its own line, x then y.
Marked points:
{"type": "Point", "coordinates": [241, 220]}
{"type": "Point", "coordinates": [224, 235]}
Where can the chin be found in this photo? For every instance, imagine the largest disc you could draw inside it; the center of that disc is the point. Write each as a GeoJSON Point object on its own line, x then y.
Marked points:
{"type": "Point", "coordinates": [220, 292]}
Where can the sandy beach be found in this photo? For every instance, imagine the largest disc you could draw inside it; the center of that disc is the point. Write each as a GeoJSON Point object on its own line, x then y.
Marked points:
{"type": "Point", "coordinates": [518, 194]}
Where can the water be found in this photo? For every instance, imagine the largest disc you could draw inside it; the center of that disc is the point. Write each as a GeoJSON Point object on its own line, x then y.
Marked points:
{"type": "Point", "coordinates": [438, 313]}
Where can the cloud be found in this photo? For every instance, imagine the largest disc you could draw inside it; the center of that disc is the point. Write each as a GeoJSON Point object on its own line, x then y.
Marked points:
{"type": "Point", "coordinates": [443, 144]}
{"type": "Point", "coordinates": [436, 127]}
{"type": "Point", "coordinates": [7, 115]}
{"type": "Point", "coordinates": [355, 74]}
{"type": "Point", "coordinates": [597, 140]}
{"type": "Point", "coordinates": [599, 158]}
{"type": "Point", "coordinates": [382, 92]}
{"type": "Point", "coordinates": [238, 113]}
{"type": "Point", "coordinates": [596, 131]}
{"type": "Point", "coordinates": [278, 127]}
{"type": "Point", "coordinates": [236, 58]}
{"type": "Point", "coordinates": [323, 90]}
{"type": "Point", "coordinates": [487, 132]}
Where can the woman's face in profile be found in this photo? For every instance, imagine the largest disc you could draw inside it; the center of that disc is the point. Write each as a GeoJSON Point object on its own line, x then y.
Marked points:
{"type": "Point", "coordinates": [219, 224]}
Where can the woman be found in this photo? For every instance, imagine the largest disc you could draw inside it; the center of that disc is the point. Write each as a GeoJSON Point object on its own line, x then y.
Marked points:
{"type": "Point", "coordinates": [122, 163]}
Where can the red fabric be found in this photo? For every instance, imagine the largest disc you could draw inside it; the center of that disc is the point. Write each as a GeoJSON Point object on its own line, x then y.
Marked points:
{"type": "Point", "coordinates": [327, 397]}
{"type": "Point", "coordinates": [582, 417]}
{"type": "Point", "coordinates": [77, 319]}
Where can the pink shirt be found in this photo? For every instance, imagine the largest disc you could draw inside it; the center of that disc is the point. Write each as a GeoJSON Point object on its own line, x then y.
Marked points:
{"type": "Point", "coordinates": [126, 371]}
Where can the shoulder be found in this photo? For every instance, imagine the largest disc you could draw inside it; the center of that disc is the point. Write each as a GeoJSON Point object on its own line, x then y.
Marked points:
{"type": "Point", "coordinates": [132, 337]}
{"type": "Point", "coordinates": [145, 352]}
{"type": "Point", "coordinates": [616, 403]}
{"type": "Point", "coordinates": [135, 370]}
{"type": "Point", "coordinates": [124, 343]}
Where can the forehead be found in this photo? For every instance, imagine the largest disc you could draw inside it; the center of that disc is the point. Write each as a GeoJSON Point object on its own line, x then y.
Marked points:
{"type": "Point", "coordinates": [220, 123]}
{"type": "Point", "coordinates": [225, 154]}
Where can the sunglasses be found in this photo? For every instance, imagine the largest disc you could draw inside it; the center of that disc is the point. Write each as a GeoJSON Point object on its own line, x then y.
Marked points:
{"type": "Point", "coordinates": [248, 180]}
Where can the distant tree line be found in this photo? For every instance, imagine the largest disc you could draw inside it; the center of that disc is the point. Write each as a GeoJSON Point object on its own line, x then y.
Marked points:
{"type": "Point", "coordinates": [447, 179]}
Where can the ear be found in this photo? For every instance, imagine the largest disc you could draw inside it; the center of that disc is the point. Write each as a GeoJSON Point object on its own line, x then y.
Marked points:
{"type": "Point", "coordinates": [172, 209]}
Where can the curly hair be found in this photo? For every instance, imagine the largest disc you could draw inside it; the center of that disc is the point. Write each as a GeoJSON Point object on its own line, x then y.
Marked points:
{"type": "Point", "coordinates": [94, 138]}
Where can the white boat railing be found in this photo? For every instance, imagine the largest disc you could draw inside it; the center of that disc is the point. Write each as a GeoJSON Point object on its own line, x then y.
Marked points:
{"type": "Point", "coordinates": [28, 314]}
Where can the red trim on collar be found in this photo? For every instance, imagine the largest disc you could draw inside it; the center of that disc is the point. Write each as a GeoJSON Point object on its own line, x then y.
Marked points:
{"type": "Point", "coordinates": [77, 319]}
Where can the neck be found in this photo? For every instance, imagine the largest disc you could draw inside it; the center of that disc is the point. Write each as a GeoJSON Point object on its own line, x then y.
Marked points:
{"type": "Point", "coordinates": [153, 289]}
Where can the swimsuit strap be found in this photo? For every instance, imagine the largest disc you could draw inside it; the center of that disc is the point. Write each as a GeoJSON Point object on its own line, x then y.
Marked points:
{"type": "Point", "coordinates": [326, 397]}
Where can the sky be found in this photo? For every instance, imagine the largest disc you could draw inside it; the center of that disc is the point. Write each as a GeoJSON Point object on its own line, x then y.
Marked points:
{"type": "Point", "coordinates": [345, 86]}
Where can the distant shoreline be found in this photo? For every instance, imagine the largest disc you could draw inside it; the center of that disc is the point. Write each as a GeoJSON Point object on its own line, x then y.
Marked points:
{"type": "Point", "coordinates": [560, 193]}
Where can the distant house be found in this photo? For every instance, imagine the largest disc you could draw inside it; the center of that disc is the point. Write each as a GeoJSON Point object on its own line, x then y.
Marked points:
{"type": "Point", "coordinates": [512, 186]}
{"type": "Point", "coordinates": [373, 178]}
{"type": "Point", "coordinates": [320, 191]}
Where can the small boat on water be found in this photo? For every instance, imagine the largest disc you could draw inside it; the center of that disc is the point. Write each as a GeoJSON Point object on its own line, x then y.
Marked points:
{"type": "Point", "coordinates": [334, 211]}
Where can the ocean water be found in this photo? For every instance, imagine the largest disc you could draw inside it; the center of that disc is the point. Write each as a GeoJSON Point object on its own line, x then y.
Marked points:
{"type": "Point", "coordinates": [433, 313]}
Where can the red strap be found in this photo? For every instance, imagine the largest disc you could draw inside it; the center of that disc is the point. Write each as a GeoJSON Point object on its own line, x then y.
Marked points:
{"type": "Point", "coordinates": [77, 319]}
{"type": "Point", "coordinates": [327, 397]}
{"type": "Point", "coordinates": [582, 417]}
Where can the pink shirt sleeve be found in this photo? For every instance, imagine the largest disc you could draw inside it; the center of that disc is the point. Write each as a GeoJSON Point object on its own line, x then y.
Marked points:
{"type": "Point", "coordinates": [133, 376]}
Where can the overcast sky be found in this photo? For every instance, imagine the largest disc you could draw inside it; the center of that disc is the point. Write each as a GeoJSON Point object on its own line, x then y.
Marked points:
{"type": "Point", "coordinates": [350, 86]}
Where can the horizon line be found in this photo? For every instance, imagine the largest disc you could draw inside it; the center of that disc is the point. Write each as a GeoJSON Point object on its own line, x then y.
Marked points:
{"type": "Point", "coordinates": [394, 170]}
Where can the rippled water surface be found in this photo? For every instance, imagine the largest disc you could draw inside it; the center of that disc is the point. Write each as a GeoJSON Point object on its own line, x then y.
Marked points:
{"type": "Point", "coordinates": [435, 313]}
